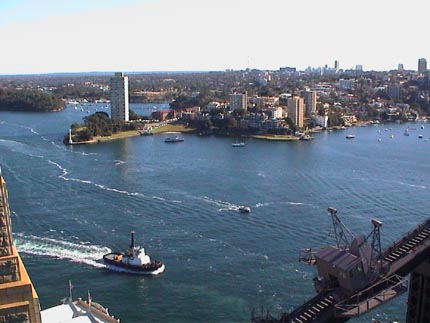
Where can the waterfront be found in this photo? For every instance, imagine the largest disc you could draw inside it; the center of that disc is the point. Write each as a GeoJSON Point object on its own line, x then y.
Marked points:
{"type": "Point", "coordinates": [76, 203]}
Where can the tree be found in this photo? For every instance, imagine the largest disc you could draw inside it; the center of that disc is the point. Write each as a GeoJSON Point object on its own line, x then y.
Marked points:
{"type": "Point", "coordinates": [291, 124]}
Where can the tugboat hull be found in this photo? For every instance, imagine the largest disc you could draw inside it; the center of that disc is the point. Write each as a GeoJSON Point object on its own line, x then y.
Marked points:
{"type": "Point", "coordinates": [114, 260]}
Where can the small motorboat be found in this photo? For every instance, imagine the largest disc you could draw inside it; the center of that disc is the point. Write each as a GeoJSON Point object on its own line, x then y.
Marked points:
{"type": "Point", "coordinates": [350, 136]}
{"type": "Point", "coordinates": [238, 144]}
{"type": "Point", "coordinates": [244, 209]}
{"type": "Point", "coordinates": [134, 260]}
{"type": "Point", "coordinates": [173, 139]}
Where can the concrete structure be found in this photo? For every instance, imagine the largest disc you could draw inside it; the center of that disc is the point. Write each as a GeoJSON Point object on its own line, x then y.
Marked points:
{"type": "Point", "coordinates": [393, 90]}
{"type": "Point", "coordinates": [238, 101]}
{"type": "Point", "coordinates": [18, 299]}
{"type": "Point", "coordinates": [295, 108]}
{"type": "Point", "coordinates": [119, 97]}
{"type": "Point", "coordinates": [310, 99]}
{"type": "Point", "coordinates": [346, 84]}
{"type": "Point", "coordinates": [321, 121]}
{"type": "Point", "coordinates": [422, 65]}
{"type": "Point", "coordinates": [419, 294]}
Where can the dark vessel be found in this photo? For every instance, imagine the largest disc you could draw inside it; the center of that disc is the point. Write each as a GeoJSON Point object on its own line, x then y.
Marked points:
{"type": "Point", "coordinates": [173, 139]}
{"type": "Point", "coordinates": [134, 260]}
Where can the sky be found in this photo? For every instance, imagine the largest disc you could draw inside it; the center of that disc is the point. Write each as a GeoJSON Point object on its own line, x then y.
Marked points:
{"type": "Point", "coordinates": [49, 36]}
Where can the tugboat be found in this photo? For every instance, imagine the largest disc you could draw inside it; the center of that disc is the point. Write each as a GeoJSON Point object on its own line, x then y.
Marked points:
{"type": "Point", "coordinates": [134, 260]}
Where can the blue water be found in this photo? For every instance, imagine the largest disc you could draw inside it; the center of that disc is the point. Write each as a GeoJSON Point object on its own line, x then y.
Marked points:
{"type": "Point", "coordinates": [70, 205]}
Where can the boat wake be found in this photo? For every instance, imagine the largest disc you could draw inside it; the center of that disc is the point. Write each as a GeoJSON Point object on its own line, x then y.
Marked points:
{"type": "Point", "coordinates": [413, 185]}
{"type": "Point", "coordinates": [22, 148]}
{"type": "Point", "coordinates": [223, 205]}
{"type": "Point", "coordinates": [60, 249]}
{"type": "Point", "coordinates": [64, 174]}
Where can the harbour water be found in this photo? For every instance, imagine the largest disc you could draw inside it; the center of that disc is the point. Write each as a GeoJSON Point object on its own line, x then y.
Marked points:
{"type": "Point", "coordinates": [72, 204]}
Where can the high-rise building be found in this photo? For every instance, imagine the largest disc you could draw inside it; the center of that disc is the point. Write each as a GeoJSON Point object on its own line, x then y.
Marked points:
{"type": "Point", "coordinates": [119, 97]}
{"type": "Point", "coordinates": [310, 99]}
{"type": "Point", "coordinates": [400, 68]}
{"type": "Point", "coordinates": [295, 108]}
{"type": "Point", "coordinates": [422, 65]}
{"type": "Point", "coordinates": [18, 299]}
{"type": "Point", "coordinates": [238, 101]}
{"type": "Point", "coordinates": [393, 90]}
{"type": "Point", "coordinates": [336, 65]}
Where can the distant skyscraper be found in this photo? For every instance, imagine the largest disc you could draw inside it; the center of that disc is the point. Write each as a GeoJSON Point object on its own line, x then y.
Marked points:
{"type": "Point", "coordinates": [295, 108]}
{"type": "Point", "coordinates": [238, 101]}
{"type": "Point", "coordinates": [336, 65]}
{"type": "Point", "coordinates": [400, 68]}
{"type": "Point", "coordinates": [422, 65]}
{"type": "Point", "coordinates": [119, 97]}
{"type": "Point", "coordinates": [310, 98]}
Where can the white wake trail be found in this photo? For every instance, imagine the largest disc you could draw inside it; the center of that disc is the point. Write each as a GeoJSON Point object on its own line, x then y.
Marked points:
{"type": "Point", "coordinates": [81, 253]}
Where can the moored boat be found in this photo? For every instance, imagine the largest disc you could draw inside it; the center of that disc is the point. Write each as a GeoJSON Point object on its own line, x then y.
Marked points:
{"type": "Point", "coordinates": [134, 260]}
{"type": "Point", "coordinates": [350, 136]}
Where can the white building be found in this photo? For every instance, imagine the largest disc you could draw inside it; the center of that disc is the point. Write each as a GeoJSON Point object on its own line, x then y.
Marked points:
{"type": "Point", "coordinates": [119, 97]}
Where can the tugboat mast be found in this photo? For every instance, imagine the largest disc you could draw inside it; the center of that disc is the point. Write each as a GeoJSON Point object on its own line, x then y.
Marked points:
{"type": "Point", "coordinates": [132, 240]}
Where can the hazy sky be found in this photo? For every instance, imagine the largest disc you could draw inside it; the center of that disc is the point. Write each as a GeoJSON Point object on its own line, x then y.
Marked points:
{"type": "Point", "coordinates": [41, 36]}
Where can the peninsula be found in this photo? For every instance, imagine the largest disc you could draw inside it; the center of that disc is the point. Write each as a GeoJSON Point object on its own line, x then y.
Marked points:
{"type": "Point", "coordinates": [29, 100]}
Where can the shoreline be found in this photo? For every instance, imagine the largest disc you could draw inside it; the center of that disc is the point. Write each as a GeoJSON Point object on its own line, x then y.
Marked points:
{"type": "Point", "coordinates": [276, 137]}
{"type": "Point", "coordinates": [179, 128]}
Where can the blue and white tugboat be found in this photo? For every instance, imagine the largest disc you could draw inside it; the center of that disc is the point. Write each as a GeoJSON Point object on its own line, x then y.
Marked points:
{"type": "Point", "coordinates": [134, 260]}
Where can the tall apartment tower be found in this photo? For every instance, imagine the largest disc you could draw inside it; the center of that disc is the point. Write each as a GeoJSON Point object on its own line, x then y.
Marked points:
{"type": "Point", "coordinates": [18, 299]}
{"type": "Point", "coordinates": [119, 97]}
{"type": "Point", "coordinates": [310, 99]}
{"type": "Point", "coordinates": [295, 108]}
{"type": "Point", "coordinates": [238, 101]}
{"type": "Point", "coordinates": [336, 65]}
{"type": "Point", "coordinates": [422, 65]}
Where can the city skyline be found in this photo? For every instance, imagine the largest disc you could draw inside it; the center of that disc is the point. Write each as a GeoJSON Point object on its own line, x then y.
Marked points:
{"type": "Point", "coordinates": [163, 35]}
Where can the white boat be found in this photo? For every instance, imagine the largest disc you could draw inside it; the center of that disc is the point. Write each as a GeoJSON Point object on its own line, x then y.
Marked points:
{"type": "Point", "coordinates": [134, 260]}
{"type": "Point", "coordinates": [406, 133]}
{"type": "Point", "coordinates": [306, 137]}
{"type": "Point", "coordinates": [238, 144]}
{"type": "Point", "coordinates": [244, 209]}
{"type": "Point", "coordinates": [350, 136]}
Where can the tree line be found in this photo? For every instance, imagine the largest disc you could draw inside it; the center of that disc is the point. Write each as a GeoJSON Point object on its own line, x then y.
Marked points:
{"type": "Point", "coordinates": [29, 100]}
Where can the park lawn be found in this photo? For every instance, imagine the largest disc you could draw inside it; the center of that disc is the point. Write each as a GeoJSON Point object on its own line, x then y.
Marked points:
{"type": "Point", "coordinates": [172, 128]}
{"type": "Point", "coordinates": [118, 135]}
{"type": "Point", "coordinates": [276, 137]}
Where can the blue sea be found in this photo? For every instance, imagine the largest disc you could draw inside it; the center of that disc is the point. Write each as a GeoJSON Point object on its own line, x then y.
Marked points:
{"type": "Point", "coordinates": [72, 204]}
